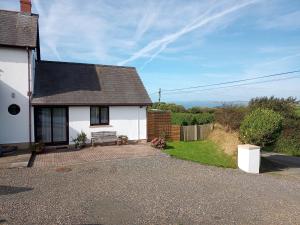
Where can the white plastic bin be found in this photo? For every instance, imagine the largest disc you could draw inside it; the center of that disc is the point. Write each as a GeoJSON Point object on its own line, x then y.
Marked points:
{"type": "Point", "coordinates": [249, 158]}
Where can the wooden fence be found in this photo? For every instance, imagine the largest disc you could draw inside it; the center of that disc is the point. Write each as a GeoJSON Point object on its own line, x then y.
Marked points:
{"type": "Point", "coordinates": [159, 124]}
{"type": "Point", "coordinates": [195, 132]}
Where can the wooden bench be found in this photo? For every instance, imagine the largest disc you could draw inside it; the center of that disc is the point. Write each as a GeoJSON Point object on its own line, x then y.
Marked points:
{"type": "Point", "coordinates": [104, 137]}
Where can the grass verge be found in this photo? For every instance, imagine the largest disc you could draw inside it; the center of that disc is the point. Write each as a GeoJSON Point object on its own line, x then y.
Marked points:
{"type": "Point", "coordinates": [205, 152]}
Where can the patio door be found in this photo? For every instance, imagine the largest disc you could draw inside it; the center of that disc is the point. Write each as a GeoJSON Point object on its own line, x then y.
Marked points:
{"type": "Point", "coordinates": [51, 125]}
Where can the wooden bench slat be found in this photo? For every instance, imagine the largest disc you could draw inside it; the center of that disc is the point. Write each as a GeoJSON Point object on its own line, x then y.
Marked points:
{"type": "Point", "coordinates": [104, 136]}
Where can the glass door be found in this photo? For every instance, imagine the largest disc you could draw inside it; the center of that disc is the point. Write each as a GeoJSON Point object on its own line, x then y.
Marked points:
{"type": "Point", "coordinates": [43, 125]}
{"type": "Point", "coordinates": [51, 125]}
{"type": "Point", "coordinates": [59, 125]}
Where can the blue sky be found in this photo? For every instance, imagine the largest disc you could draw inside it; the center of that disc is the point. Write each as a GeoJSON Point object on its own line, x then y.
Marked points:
{"type": "Point", "coordinates": [177, 44]}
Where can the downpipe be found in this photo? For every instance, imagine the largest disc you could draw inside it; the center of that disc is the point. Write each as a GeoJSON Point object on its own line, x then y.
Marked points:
{"type": "Point", "coordinates": [29, 95]}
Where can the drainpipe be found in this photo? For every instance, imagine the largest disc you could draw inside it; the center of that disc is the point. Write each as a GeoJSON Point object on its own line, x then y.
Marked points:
{"type": "Point", "coordinates": [29, 94]}
{"type": "Point", "coordinates": [139, 123]}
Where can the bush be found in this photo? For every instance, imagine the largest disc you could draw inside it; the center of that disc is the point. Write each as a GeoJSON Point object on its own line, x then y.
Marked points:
{"type": "Point", "coordinates": [192, 119]}
{"type": "Point", "coordinates": [168, 106]}
{"type": "Point", "coordinates": [286, 107]}
{"type": "Point", "coordinates": [261, 127]}
{"type": "Point", "coordinates": [230, 116]}
{"type": "Point", "coordinates": [288, 144]}
{"type": "Point", "coordinates": [184, 123]}
{"type": "Point", "coordinates": [197, 109]}
{"type": "Point", "coordinates": [298, 111]}
{"type": "Point", "coordinates": [289, 139]}
{"type": "Point", "coordinates": [80, 141]}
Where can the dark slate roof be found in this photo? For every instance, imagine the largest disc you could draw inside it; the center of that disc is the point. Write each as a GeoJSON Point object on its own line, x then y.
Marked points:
{"type": "Point", "coordinates": [18, 29]}
{"type": "Point", "coordinates": [62, 83]}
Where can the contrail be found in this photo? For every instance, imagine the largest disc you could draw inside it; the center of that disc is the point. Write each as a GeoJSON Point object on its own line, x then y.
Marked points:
{"type": "Point", "coordinates": [161, 44]}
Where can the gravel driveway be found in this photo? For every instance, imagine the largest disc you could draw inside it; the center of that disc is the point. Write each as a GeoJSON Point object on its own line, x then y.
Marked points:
{"type": "Point", "coordinates": [152, 190]}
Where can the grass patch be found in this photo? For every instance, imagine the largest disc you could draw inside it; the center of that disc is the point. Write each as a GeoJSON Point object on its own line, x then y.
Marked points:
{"type": "Point", "coordinates": [205, 152]}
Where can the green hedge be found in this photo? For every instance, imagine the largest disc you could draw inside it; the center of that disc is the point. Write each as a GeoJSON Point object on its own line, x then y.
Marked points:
{"type": "Point", "coordinates": [298, 111]}
{"type": "Point", "coordinates": [261, 127]}
{"type": "Point", "coordinates": [289, 139]}
{"type": "Point", "coordinates": [285, 106]}
{"type": "Point", "coordinates": [191, 119]}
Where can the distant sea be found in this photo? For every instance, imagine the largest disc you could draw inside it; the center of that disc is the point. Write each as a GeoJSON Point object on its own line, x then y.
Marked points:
{"type": "Point", "coordinates": [209, 104]}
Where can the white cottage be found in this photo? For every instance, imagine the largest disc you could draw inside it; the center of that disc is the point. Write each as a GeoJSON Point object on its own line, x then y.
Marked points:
{"type": "Point", "coordinates": [51, 102]}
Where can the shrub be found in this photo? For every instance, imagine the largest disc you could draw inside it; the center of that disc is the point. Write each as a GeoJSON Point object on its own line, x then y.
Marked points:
{"type": "Point", "coordinates": [298, 111]}
{"type": "Point", "coordinates": [159, 143]}
{"type": "Point", "coordinates": [288, 144]}
{"type": "Point", "coordinates": [289, 139]}
{"type": "Point", "coordinates": [230, 116]}
{"type": "Point", "coordinates": [189, 118]}
{"type": "Point", "coordinates": [261, 127]}
{"type": "Point", "coordinates": [184, 123]}
{"type": "Point", "coordinates": [197, 109]}
{"type": "Point", "coordinates": [194, 121]}
{"type": "Point", "coordinates": [286, 107]}
{"type": "Point", "coordinates": [168, 106]}
{"type": "Point", "coordinates": [80, 140]}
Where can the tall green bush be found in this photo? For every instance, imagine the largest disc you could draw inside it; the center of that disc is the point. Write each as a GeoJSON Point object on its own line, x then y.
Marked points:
{"type": "Point", "coordinates": [285, 106]}
{"type": "Point", "coordinates": [261, 127]}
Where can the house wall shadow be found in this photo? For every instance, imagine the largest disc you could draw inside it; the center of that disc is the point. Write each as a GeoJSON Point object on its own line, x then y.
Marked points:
{"type": "Point", "coordinates": [13, 128]}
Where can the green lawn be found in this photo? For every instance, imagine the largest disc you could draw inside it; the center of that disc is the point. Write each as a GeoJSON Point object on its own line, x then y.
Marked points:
{"type": "Point", "coordinates": [205, 152]}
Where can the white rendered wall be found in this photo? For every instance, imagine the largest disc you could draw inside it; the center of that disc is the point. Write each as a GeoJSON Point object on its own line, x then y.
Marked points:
{"type": "Point", "coordinates": [14, 81]}
{"type": "Point", "coordinates": [125, 120]}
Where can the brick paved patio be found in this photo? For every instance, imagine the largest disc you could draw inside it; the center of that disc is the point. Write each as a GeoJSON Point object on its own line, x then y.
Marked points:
{"type": "Point", "coordinates": [68, 157]}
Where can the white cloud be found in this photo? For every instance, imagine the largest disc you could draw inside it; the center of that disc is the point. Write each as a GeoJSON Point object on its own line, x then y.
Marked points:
{"type": "Point", "coordinates": [107, 31]}
{"type": "Point", "coordinates": [65, 29]}
{"type": "Point", "coordinates": [157, 46]}
{"type": "Point", "coordinates": [148, 18]}
{"type": "Point", "coordinates": [103, 31]}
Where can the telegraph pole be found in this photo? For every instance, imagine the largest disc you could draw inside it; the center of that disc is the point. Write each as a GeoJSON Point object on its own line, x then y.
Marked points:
{"type": "Point", "coordinates": [159, 95]}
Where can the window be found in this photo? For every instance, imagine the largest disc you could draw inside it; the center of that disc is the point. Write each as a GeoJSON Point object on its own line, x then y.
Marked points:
{"type": "Point", "coordinates": [99, 115]}
{"type": "Point", "coordinates": [14, 109]}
